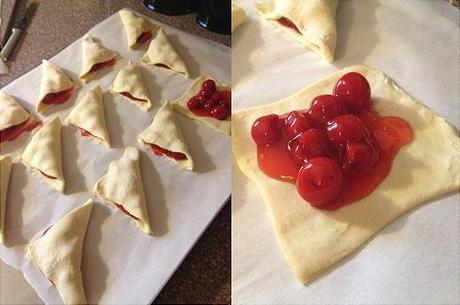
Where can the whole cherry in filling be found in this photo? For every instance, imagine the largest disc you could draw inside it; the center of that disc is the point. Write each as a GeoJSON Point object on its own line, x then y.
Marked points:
{"type": "Point", "coordinates": [337, 151]}
{"type": "Point", "coordinates": [211, 102]}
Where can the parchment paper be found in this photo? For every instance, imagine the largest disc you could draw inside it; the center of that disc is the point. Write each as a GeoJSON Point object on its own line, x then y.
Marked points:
{"type": "Point", "coordinates": [121, 264]}
{"type": "Point", "coordinates": [416, 259]}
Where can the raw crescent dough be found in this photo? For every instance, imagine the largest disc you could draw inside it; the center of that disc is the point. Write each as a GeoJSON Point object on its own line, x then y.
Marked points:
{"type": "Point", "coordinates": [5, 169]}
{"type": "Point", "coordinates": [135, 26]}
{"type": "Point", "coordinates": [313, 240]}
{"type": "Point", "coordinates": [122, 185]}
{"type": "Point", "coordinates": [43, 153]}
{"type": "Point", "coordinates": [93, 53]}
{"type": "Point", "coordinates": [53, 80]}
{"type": "Point", "coordinates": [57, 254]}
{"type": "Point", "coordinates": [129, 79]}
{"type": "Point", "coordinates": [238, 16]}
{"type": "Point", "coordinates": [160, 51]}
{"type": "Point", "coordinates": [181, 105]}
{"type": "Point", "coordinates": [315, 19]}
{"type": "Point", "coordinates": [165, 133]}
{"type": "Point", "coordinates": [11, 113]}
{"type": "Point", "coordinates": [89, 115]}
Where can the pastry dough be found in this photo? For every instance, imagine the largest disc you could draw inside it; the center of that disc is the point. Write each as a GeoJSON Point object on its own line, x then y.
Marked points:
{"type": "Point", "coordinates": [313, 240]}
{"type": "Point", "coordinates": [122, 187]}
{"type": "Point", "coordinates": [43, 154]}
{"type": "Point", "coordinates": [161, 52]}
{"type": "Point", "coordinates": [165, 133]}
{"type": "Point", "coordinates": [89, 116]}
{"type": "Point", "coordinates": [57, 254]}
{"type": "Point", "coordinates": [181, 105]}
{"type": "Point", "coordinates": [129, 80]}
{"type": "Point", "coordinates": [93, 53]}
{"type": "Point", "coordinates": [315, 19]}
{"type": "Point", "coordinates": [238, 16]}
{"type": "Point", "coordinates": [11, 113]}
{"type": "Point", "coordinates": [135, 26]}
{"type": "Point", "coordinates": [53, 80]}
{"type": "Point", "coordinates": [5, 169]}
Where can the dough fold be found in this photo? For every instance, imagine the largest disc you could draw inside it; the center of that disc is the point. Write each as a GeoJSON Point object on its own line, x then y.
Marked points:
{"type": "Point", "coordinates": [5, 169]}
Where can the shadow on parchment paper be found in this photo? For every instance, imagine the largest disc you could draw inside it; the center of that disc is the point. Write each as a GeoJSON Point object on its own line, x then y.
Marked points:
{"type": "Point", "coordinates": [75, 181]}
{"type": "Point", "coordinates": [192, 66]}
{"type": "Point", "coordinates": [154, 196]}
{"type": "Point", "coordinates": [112, 119]}
{"type": "Point", "coordinates": [349, 22]}
{"type": "Point", "coordinates": [154, 90]}
{"type": "Point", "coordinates": [94, 269]}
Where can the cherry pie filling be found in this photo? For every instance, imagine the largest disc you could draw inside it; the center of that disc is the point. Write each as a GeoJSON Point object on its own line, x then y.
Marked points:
{"type": "Point", "coordinates": [288, 23]}
{"type": "Point", "coordinates": [122, 209]}
{"type": "Point", "coordinates": [337, 151]}
{"type": "Point", "coordinates": [102, 65]}
{"type": "Point", "coordinates": [144, 37]}
{"type": "Point", "coordinates": [57, 98]}
{"type": "Point", "coordinates": [211, 102]}
{"type": "Point", "coordinates": [131, 97]}
{"type": "Point", "coordinates": [11, 133]}
{"type": "Point", "coordinates": [160, 151]}
{"type": "Point", "coordinates": [162, 66]}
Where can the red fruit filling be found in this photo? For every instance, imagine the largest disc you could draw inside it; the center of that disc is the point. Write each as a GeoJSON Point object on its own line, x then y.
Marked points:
{"type": "Point", "coordinates": [159, 151]}
{"type": "Point", "coordinates": [48, 176]}
{"type": "Point", "coordinates": [337, 151]}
{"type": "Point", "coordinates": [13, 132]}
{"type": "Point", "coordinates": [58, 97]}
{"type": "Point", "coordinates": [288, 23]}
{"type": "Point", "coordinates": [131, 97]}
{"type": "Point", "coordinates": [162, 66]}
{"type": "Point", "coordinates": [144, 37]}
{"type": "Point", "coordinates": [84, 133]}
{"type": "Point", "coordinates": [122, 209]}
{"type": "Point", "coordinates": [211, 102]}
{"type": "Point", "coordinates": [101, 65]}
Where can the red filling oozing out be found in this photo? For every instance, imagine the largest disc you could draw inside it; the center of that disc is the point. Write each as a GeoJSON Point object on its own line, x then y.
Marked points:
{"type": "Point", "coordinates": [337, 151]}
{"type": "Point", "coordinates": [131, 97]}
{"type": "Point", "coordinates": [288, 23]}
{"type": "Point", "coordinates": [84, 133]}
{"type": "Point", "coordinates": [13, 132]}
{"type": "Point", "coordinates": [162, 66]}
{"type": "Point", "coordinates": [57, 98]}
{"type": "Point", "coordinates": [211, 102]}
{"type": "Point", "coordinates": [102, 65]}
{"type": "Point", "coordinates": [121, 208]}
{"type": "Point", "coordinates": [144, 37]}
{"type": "Point", "coordinates": [48, 176]}
{"type": "Point", "coordinates": [159, 151]}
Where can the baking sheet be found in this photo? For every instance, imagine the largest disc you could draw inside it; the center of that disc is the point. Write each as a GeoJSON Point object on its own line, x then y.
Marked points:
{"type": "Point", "coordinates": [121, 264]}
{"type": "Point", "coordinates": [414, 260]}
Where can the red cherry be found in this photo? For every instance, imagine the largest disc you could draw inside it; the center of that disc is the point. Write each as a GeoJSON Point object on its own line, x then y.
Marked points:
{"type": "Point", "coordinates": [358, 156]}
{"type": "Point", "coordinates": [320, 181]}
{"type": "Point", "coordinates": [193, 103]}
{"type": "Point", "coordinates": [216, 97]}
{"type": "Point", "coordinates": [354, 90]}
{"type": "Point", "coordinates": [209, 85]}
{"type": "Point", "coordinates": [308, 144]}
{"type": "Point", "coordinates": [266, 130]}
{"type": "Point", "coordinates": [345, 128]}
{"type": "Point", "coordinates": [296, 123]}
{"type": "Point", "coordinates": [208, 106]}
{"type": "Point", "coordinates": [325, 107]}
{"type": "Point", "coordinates": [220, 112]}
{"type": "Point", "coordinates": [226, 95]}
{"type": "Point", "coordinates": [206, 93]}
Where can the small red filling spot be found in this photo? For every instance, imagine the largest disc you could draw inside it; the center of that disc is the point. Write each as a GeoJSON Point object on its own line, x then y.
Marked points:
{"type": "Point", "coordinates": [288, 23]}
{"type": "Point", "coordinates": [102, 65]}
{"type": "Point", "coordinates": [84, 133]}
{"type": "Point", "coordinates": [48, 176]}
{"type": "Point", "coordinates": [131, 97]}
{"type": "Point", "coordinates": [162, 66]}
{"type": "Point", "coordinates": [159, 151]}
{"type": "Point", "coordinates": [211, 102]}
{"type": "Point", "coordinates": [58, 97]}
{"type": "Point", "coordinates": [13, 132]}
{"type": "Point", "coordinates": [144, 37]}
{"type": "Point", "coordinates": [121, 208]}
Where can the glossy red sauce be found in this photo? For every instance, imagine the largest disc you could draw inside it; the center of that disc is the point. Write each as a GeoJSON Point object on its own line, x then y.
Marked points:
{"type": "Point", "coordinates": [13, 132]}
{"type": "Point", "coordinates": [102, 65]}
{"type": "Point", "coordinates": [159, 151]}
{"type": "Point", "coordinates": [58, 97]}
{"type": "Point", "coordinates": [144, 37]}
{"type": "Point", "coordinates": [288, 23]}
{"type": "Point", "coordinates": [122, 209]}
{"type": "Point", "coordinates": [131, 97]}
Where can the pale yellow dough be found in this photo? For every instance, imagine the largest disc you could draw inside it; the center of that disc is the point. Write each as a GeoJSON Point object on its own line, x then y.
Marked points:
{"type": "Point", "coordinates": [5, 169]}
{"type": "Point", "coordinates": [89, 115]}
{"type": "Point", "coordinates": [57, 254]}
{"type": "Point", "coordinates": [181, 105]}
{"type": "Point", "coordinates": [122, 184]}
{"type": "Point", "coordinates": [11, 113]}
{"type": "Point", "coordinates": [43, 153]}
{"type": "Point", "coordinates": [313, 240]}
{"type": "Point", "coordinates": [93, 52]}
{"type": "Point", "coordinates": [238, 16]}
{"type": "Point", "coordinates": [135, 26]}
{"type": "Point", "coordinates": [315, 19]}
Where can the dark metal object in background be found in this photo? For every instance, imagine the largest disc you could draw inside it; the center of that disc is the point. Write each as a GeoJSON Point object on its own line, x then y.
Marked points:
{"type": "Point", "coordinates": [215, 15]}
{"type": "Point", "coordinates": [172, 7]}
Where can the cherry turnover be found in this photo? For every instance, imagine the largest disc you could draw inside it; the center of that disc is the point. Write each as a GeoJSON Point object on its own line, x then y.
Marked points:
{"type": "Point", "coordinates": [337, 151]}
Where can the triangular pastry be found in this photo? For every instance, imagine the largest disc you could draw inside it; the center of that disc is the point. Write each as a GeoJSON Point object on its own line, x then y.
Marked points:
{"type": "Point", "coordinates": [14, 119]}
{"type": "Point", "coordinates": [43, 153]}
{"type": "Point", "coordinates": [312, 22]}
{"type": "Point", "coordinates": [181, 105]}
{"type": "Point", "coordinates": [313, 240]}
{"type": "Point", "coordinates": [96, 58]}
{"type": "Point", "coordinates": [161, 54]}
{"type": "Point", "coordinates": [57, 254]}
{"type": "Point", "coordinates": [129, 84]}
{"type": "Point", "coordinates": [165, 137]}
{"type": "Point", "coordinates": [238, 16]}
{"type": "Point", "coordinates": [138, 29]}
{"type": "Point", "coordinates": [5, 169]}
{"type": "Point", "coordinates": [122, 187]}
{"type": "Point", "coordinates": [55, 88]}
{"type": "Point", "coordinates": [88, 116]}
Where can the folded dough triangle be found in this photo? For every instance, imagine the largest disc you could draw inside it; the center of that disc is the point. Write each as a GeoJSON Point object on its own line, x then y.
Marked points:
{"type": "Point", "coordinates": [313, 240]}
{"type": "Point", "coordinates": [238, 16]}
{"type": "Point", "coordinates": [12, 113]}
{"type": "Point", "coordinates": [89, 116]}
{"type": "Point", "coordinates": [161, 54]}
{"type": "Point", "coordinates": [311, 22]}
{"type": "Point", "coordinates": [57, 254]}
{"type": "Point", "coordinates": [135, 27]}
{"type": "Point", "coordinates": [43, 154]}
{"type": "Point", "coordinates": [5, 169]}
{"type": "Point", "coordinates": [55, 86]}
{"type": "Point", "coordinates": [181, 105]}
{"type": "Point", "coordinates": [165, 133]}
{"type": "Point", "coordinates": [129, 84]}
{"type": "Point", "coordinates": [95, 57]}
{"type": "Point", "coordinates": [122, 187]}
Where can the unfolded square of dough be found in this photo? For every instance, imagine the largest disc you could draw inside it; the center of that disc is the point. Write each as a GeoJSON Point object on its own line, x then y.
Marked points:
{"type": "Point", "coordinates": [135, 26]}
{"type": "Point", "coordinates": [313, 240]}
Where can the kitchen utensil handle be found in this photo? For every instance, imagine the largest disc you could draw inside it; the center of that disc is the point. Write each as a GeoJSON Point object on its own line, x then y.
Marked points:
{"type": "Point", "coordinates": [9, 45]}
